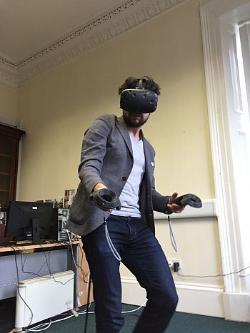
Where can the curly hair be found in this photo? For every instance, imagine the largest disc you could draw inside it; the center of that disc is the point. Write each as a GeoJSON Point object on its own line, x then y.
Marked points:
{"type": "Point", "coordinates": [133, 82]}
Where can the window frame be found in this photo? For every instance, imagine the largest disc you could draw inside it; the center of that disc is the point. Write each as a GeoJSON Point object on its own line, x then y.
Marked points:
{"type": "Point", "coordinates": [218, 18]}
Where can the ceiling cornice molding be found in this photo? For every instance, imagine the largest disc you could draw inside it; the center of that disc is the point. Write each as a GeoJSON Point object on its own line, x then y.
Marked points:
{"type": "Point", "coordinates": [80, 31]}
{"type": "Point", "coordinates": [105, 27]}
{"type": "Point", "coordinates": [9, 74]}
{"type": "Point", "coordinates": [7, 62]}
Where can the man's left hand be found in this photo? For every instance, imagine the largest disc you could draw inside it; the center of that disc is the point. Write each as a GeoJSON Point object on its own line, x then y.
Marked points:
{"type": "Point", "coordinates": [173, 205]}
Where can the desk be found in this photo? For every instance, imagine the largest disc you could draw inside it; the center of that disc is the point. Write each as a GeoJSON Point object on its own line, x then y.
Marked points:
{"type": "Point", "coordinates": [31, 248]}
{"type": "Point", "coordinates": [6, 260]}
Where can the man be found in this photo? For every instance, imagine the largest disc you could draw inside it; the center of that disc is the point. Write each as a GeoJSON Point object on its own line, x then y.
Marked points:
{"type": "Point", "coordinates": [115, 155]}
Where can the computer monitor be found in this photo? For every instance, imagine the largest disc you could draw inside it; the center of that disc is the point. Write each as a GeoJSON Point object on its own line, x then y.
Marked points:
{"type": "Point", "coordinates": [33, 221]}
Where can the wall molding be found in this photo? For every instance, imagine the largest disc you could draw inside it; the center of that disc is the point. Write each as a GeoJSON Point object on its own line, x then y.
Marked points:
{"type": "Point", "coordinates": [110, 24]}
{"type": "Point", "coordinates": [196, 298]}
{"type": "Point", "coordinates": [236, 306]}
{"type": "Point", "coordinates": [193, 298]}
{"type": "Point", "coordinates": [208, 209]}
{"type": "Point", "coordinates": [9, 75]}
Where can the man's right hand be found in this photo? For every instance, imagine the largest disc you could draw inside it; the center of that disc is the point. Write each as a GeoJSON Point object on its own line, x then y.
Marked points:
{"type": "Point", "coordinates": [105, 199]}
{"type": "Point", "coordinates": [98, 186]}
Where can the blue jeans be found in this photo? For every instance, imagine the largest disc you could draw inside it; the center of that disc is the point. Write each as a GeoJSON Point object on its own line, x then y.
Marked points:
{"type": "Point", "coordinates": [143, 256]}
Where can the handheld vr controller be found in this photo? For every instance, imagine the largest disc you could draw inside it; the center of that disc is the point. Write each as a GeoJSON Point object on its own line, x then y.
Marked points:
{"type": "Point", "coordinates": [106, 199]}
{"type": "Point", "coordinates": [189, 199]}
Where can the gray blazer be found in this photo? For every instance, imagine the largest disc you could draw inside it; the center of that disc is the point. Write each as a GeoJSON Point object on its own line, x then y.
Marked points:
{"type": "Point", "coordinates": [107, 158]}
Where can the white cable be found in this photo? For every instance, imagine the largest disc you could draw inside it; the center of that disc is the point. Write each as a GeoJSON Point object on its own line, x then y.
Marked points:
{"type": "Point", "coordinates": [172, 238]}
{"type": "Point", "coordinates": [134, 310]}
{"type": "Point", "coordinates": [85, 312]}
{"type": "Point", "coordinates": [71, 247]}
{"type": "Point", "coordinates": [110, 243]}
{"type": "Point", "coordinates": [69, 233]}
{"type": "Point", "coordinates": [36, 328]}
{"type": "Point", "coordinates": [62, 319]}
{"type": "Point", "coordinates": [123, 312]}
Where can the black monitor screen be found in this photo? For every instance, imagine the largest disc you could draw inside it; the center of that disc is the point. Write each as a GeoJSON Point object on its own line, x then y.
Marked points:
{"type": "Point", "coordinates": [34, 221]}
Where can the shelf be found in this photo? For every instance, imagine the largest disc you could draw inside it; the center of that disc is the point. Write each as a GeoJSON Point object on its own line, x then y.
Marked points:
{"type": "Point", "coordinates": [9, 144]}
{"type": "Point", "coordinates": [5, 155]}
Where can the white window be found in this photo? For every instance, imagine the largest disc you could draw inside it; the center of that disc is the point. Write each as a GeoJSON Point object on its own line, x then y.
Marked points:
{"type": "Point", "coordinates": [226, 40]}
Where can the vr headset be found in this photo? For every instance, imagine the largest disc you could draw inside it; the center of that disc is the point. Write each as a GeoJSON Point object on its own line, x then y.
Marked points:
{"type": "Point", "coordinates": [138, 100]}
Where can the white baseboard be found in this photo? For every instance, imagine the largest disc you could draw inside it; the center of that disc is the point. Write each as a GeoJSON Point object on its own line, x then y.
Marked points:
{"type": "Point", "coordinates": [197, 299]}
{"type": "Point", "coordinates": [132, 292]}
{"type": "Point", "coordinates": [200, 299]}
{"type": "Point", "coordinates": [237, 306]}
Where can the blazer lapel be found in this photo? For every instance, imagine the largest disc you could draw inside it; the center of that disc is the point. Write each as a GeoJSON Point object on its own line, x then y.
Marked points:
{"type": "Point", "coordinates": [124, 132]}
{"type": "Point", "coordinates": [148, 157]}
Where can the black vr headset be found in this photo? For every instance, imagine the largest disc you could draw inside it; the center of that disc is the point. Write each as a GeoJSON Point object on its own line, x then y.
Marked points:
{"type": "Point", "coordinates": [138, 100]}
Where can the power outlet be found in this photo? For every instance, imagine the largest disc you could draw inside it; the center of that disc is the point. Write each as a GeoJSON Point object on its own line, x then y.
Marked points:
{"type": "Point", "coordinates": [174, 265]}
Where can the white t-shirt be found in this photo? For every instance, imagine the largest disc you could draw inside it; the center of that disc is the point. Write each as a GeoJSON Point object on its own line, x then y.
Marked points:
{"type": "Point", "coordinates": [130, 194]}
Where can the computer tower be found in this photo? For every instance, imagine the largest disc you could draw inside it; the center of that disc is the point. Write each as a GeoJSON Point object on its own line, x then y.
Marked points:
{"type": "Point", "coordinates": [63, 215]}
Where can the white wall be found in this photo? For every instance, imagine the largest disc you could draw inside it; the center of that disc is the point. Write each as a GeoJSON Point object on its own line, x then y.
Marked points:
{"type": "Point", "coordinates": [8, 104]}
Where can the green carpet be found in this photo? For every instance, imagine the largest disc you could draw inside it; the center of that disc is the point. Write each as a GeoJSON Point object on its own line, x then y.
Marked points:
{"type": "Point", "coordinates": [181, 323]}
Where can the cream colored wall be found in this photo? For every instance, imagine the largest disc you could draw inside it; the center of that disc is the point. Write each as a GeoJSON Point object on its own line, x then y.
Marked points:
{"type": "Point", "coordinates": [198, 249]}
{"type": "Point", "coordinates": [8, 104]}
{"type": "Point", "coordinates": [56, 108]}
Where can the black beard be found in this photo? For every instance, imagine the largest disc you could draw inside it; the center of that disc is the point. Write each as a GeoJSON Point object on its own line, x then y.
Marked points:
{"type": "Point", "coordinates": [130, 123]}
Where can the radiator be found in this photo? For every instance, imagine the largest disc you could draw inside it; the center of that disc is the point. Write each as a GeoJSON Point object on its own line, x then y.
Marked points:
{"type": "Point", "coordinates": [45, 296]}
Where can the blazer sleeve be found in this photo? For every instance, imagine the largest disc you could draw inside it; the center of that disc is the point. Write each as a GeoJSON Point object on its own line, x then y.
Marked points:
{"type": "Point", "coordinates": [93, 152]}
{"type": "Point", "coordinates": [159, 201]}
